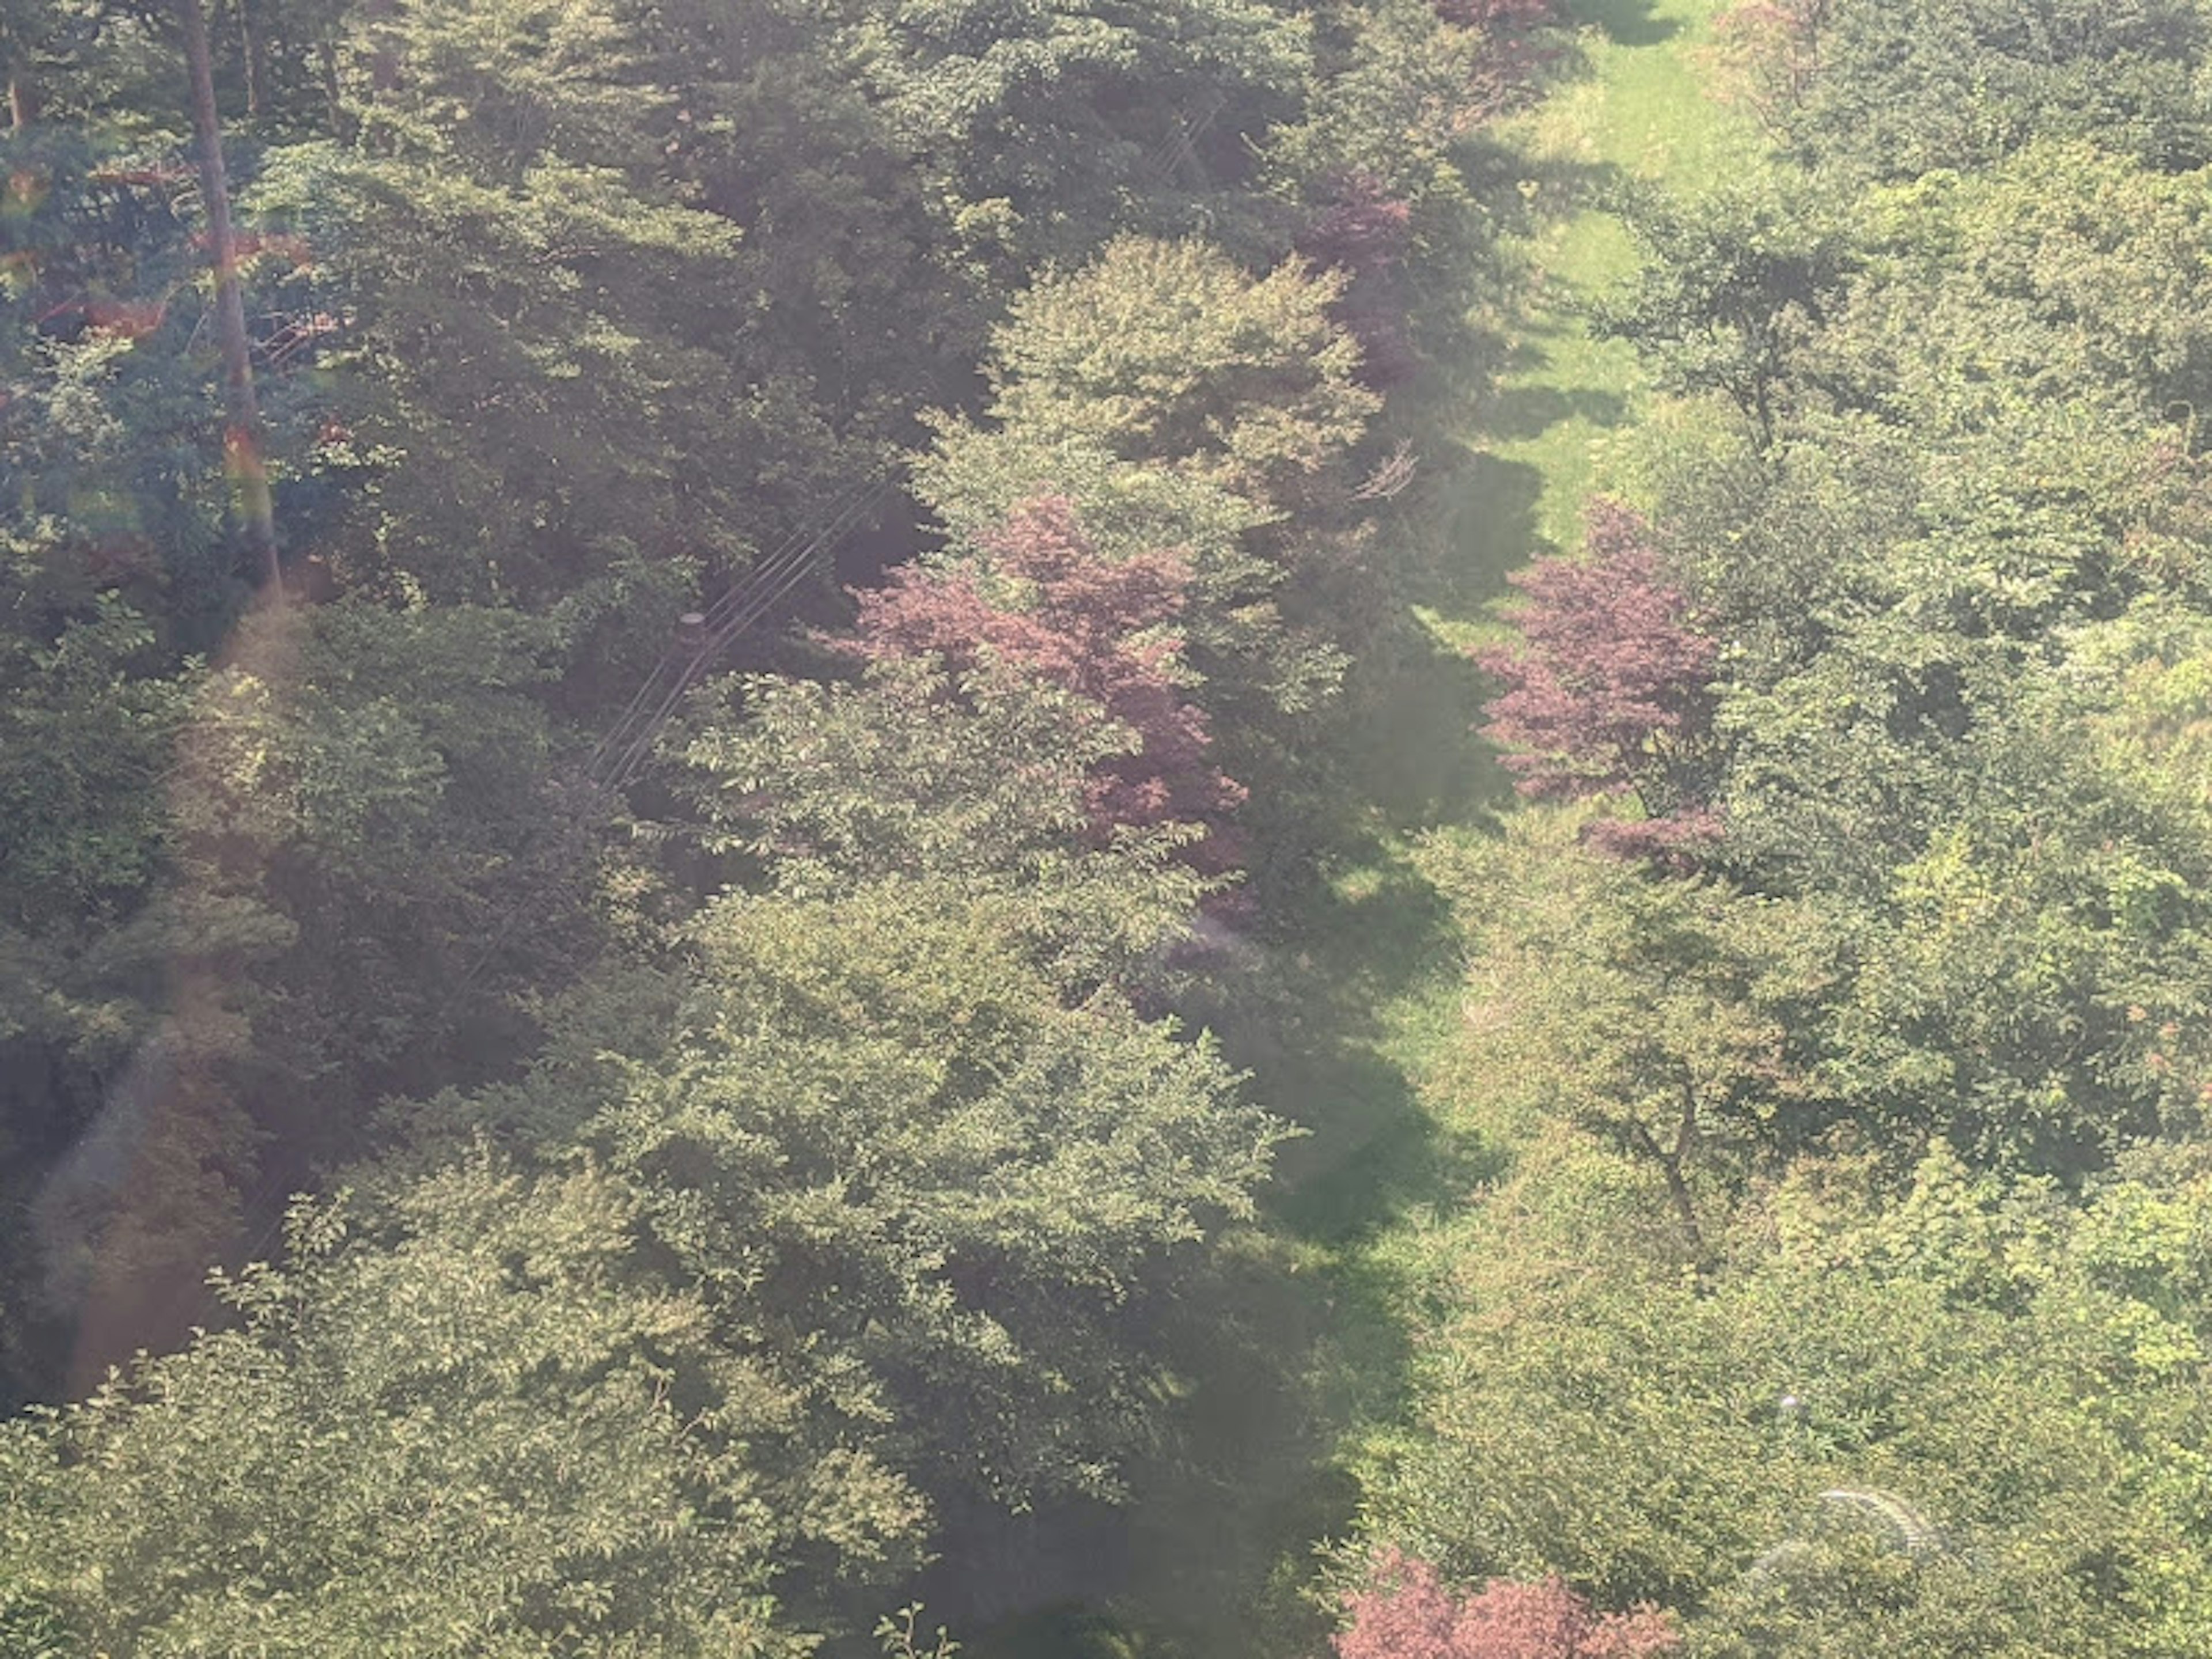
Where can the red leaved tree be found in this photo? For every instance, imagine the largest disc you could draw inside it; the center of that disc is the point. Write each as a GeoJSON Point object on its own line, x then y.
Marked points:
{"type": "Point", "coordinates": [1365, 230]}
{"type": "Point", "coordinates": [1403, 1611]}
{"type": "Point", "coordinates": [1514, 47]}
{"type": "Point", "coordinates": [1044, 600]}
{"type": "Point", "coordinates": [1607, 691]}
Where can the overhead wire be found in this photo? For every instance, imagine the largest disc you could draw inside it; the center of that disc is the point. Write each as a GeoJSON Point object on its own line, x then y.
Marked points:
{"type": "Point", "coordinates": [621, 754]}
{"type": "Point", "coordinates": [623, 749]}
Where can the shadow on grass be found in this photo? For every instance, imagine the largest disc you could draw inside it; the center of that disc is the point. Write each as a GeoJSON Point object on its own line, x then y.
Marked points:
{"type": "Point", "coordinates": [1627, 22]}
{"type": "Point", "coordinates": [1410, 750]}
{"type": "Point", "coordinates": [1488, 530]}
{"type": "Point", "coordinates": [1305, 1023]}
{"type": "Point", "coordinates": [1524, 191]}
{"type": "Point", "coordinates": [1530, 411]}
{"type": "Point", "coordinates": [1070, 1631]}
{"type": "Point", "coordinates": [1191, 1568]}
{"type": "Point", "coordinates": [1283, 1343]}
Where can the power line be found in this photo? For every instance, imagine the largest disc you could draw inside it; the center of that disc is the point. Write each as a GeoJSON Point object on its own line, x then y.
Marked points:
{"type": "Point", "coordinates": [620, 755]}
{"type": "Point", "coordinates": [622, 752]}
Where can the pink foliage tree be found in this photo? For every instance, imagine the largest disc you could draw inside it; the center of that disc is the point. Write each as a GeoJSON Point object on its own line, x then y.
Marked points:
{"type": "Point", "coordinates": [1042, 600]}
{"type": "Point", "coordinates": [1607, 691]}
{"type": "Point", "coordinates": [1513, 48]}
{"type": "Point", "coordinates": [1774, 46]}
{"type": "Point", "coordinates": [1403, 1611]}
{"type": "Point", "coordinates": [1365, 230]}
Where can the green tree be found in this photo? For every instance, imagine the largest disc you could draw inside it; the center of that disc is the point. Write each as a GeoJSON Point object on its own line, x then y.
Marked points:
{"type": "Point", "coordinates": [1654, 1013]}
{"type": "Point", "coordinates": [1041, 129]}
{"type": "Point", "coordinates": [541, 303]}
{"type": "Point", "coordinates": [464, 1426]}
{"type": "Point", "coordinates": [1950, 1419]}
{"type": "Point", "coordinates": [1167, 352]}
{"type": "Point", "coordinates": [1181, 404]}
{"type": "Point", "coordinates": [898, 1097]}
{"type": "Point", "coordinates": [1959, 84]}
{"type": "Point", "coordinates": [1728, 290]}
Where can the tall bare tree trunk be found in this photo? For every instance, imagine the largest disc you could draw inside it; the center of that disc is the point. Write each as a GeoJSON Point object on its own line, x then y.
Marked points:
{"type": "Point", "coordinates": [242, 453]}
{"type": "Point", "coordinates": [17, 51]}
{"type": "Point", "coordinates": [326, 59]}
{"type": "Point", "coordinates": [254, 38]}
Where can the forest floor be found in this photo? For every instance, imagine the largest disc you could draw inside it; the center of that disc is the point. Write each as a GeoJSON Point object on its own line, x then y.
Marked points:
{"type": "Point", "coordinates": [1347, 1023]}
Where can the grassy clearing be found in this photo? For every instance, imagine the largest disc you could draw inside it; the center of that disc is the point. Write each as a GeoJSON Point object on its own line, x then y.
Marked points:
{"type": "Point", "coordinates": [1349, 1025]}
{"type": "Point", "coordinates": [1644, 114]}
{"type": "Point", "coordinates": [1550, 431]}
{"type": "Point", "coordinates": [1353, 1024]}
{"type": "Point", "coordinates": [1556, 426]}
{"type": "Point", "coordinates": [1563, 405]}
{"type": "Point", "coordinates": [1553, 428]}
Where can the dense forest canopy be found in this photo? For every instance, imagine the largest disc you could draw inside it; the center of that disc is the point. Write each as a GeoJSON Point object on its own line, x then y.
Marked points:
{"type": "Point", "coordinates": [799, 813]}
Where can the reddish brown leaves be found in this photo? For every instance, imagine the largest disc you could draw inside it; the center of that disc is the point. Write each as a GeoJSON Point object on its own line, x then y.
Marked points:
{"type": "Point", "coordinates": [1364, 231]}
{"type": "Point", "coordinates": [1774, 46]}
{"type": "Point", "coordinates": [1044, 600]}
{"type": "Point", "coordinates": [1607, 693]}
{"type": "Point", "coordinates": [1405, 1613]}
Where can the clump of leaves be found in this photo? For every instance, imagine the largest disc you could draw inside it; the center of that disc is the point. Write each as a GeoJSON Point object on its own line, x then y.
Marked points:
{"type": "Point", "coordinates": [1404, 1611]}
{"type": "Point", "coordinates": [1607, 693]}
{"type": "Point", "coordinates": [1102, 629]}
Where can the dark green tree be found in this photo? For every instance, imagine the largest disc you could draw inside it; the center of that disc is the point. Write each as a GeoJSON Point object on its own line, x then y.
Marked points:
{"type": "Point", "coordinates": [465, 1424]}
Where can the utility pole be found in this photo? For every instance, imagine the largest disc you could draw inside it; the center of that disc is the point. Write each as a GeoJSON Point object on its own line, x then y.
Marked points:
{"type": "Point", "coordinates": [241, 439]}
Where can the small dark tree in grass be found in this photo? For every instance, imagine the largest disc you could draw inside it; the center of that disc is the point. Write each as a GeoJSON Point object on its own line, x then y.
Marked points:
{"type": "Point", "coordinates": [1042, 598]}
{"type": "Point", "coordinates": [1607, 691]}
{"type": "Point", "coordinates": [1404, 1612]}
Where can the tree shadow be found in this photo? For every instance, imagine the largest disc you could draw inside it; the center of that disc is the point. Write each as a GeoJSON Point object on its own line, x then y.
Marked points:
{"type": "Point", "coordinates": [1468, 323]}
{"type": "Point", "coordinates": [1409, 744]}
{"type": "Point", "coordinates": [1284, 1339]}
{"type": "Point", "coordinates": [1305, 1025]}
{"type": "Point", "coordinates": [1524, 191]}
{"type": "Point", "coordinates": [1627, 22]}
{"type": "Point", "coordinates": [1529, 411]}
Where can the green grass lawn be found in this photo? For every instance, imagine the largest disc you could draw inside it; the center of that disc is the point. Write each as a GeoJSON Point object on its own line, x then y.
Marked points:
{"type": "Point", "coordinates": [1553, 427]}
{"type": "Point", "coordinates": [1564, 401]}
{"type": "Point", "coordinates": [1395, 1142]}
